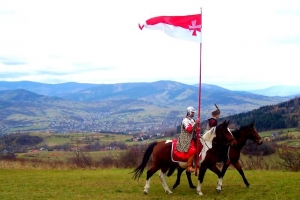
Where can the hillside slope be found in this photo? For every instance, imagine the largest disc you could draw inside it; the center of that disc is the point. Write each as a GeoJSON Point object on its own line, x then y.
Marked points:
{"type": "Point", "coordinates": [128, 108]}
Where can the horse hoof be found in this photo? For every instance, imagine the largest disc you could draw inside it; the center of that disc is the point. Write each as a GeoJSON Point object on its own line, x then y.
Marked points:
{"type": "Point", "coordinates": [193, 187]}
{"type": "Point", "coordinates": [168, 192]}
{"type": "Point", "coordinates": [145, 192]}
{"type": "Point", "coordinates": [247, 186]}
{"type": "Point", "coordinates": [218, 191]}
{"type": "Point", "coordinates": [200, 193]}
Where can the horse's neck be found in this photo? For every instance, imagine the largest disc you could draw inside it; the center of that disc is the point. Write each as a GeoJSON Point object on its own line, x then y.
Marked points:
{"type": "Point", "coordinates": [210, 134]}
{"type": "Point", "coordinates": [240, 137]}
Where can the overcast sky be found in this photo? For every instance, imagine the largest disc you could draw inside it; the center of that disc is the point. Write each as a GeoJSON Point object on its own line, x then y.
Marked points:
{"type": "Point", "coordinates": [245, 44]}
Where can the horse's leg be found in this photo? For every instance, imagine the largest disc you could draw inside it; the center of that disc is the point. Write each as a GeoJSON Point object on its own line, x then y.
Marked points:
{"type": "Point", "coordinates": [150, 172]}
{"type": "Point", "coordinates": [188, 175]}
{"type": "Point", "coordinates": [238, 167]}
{"type": "Point", "coordinates": [163, 181]}
{"type": "Point", "coordinates": [224, 168]}
{"type": "Point", "coordinates": [202, 171]}
{"type": "Point", "coordinates": [216, 170]}
{"type": "Point", "coordinates": [221, 176]}
{"type": "Point", "coordinates": [179, 172]}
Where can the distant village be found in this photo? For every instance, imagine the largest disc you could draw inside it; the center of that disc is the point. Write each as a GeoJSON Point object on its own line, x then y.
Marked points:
{"type": "Point", "coordinates": [97, 123]}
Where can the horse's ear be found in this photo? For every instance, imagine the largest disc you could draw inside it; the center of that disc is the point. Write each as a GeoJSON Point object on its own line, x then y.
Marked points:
{"type": "Point", "coordinates": [253, 123]}
{"type": "Point", "coordinates": [226, 122]}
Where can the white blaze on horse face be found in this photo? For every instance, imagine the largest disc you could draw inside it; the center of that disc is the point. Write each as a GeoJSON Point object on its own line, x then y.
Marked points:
{"type": "Point", "coordinates": [229, 131]}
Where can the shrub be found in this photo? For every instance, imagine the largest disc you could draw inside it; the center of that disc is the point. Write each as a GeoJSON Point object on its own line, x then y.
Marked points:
{"type": "Point", "coordinates": [290, 158]}
{"type": "Point", "coordinates": [266, 148]}
{"type": "Point", "coordinates": [81, 160]}
{"type": "Point", "coordinates": [7, 156]}
{"type": "Point", "coordinates": [131, 158]}
{"type": "Point", "coordinates": [106, 162]}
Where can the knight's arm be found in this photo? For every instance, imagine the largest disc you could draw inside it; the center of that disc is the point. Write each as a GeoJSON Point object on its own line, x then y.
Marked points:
{"type": "Point", "coordinates": [188, 126]}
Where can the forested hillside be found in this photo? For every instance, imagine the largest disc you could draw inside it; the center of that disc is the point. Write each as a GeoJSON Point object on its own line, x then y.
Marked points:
{"type": "Point", "coordinates": [279, 116]}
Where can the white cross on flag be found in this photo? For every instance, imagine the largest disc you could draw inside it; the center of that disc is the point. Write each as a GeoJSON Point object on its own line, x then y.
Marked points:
{"type": "Point", "coordinates": [186, 27]}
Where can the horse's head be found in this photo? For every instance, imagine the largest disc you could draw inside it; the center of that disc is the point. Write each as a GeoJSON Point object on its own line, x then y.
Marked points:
{"type": "Point", "coordinates": [252, 134]}
{"type": "Point", "coordinates": [223, 134]}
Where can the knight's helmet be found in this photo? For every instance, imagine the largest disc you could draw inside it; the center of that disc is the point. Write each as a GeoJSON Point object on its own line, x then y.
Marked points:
{"type": "Point", "coordinates": [189, 110]}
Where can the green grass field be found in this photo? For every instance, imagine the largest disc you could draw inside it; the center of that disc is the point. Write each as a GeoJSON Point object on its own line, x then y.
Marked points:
{"type": "Point", "coordinates": [19, 180]}
{"type": "Point", "coordinates": [291, 131]}
{"type": "Point", "coordinates": [17, 184]}
{"type": "Point", "coordinates": [86, 138]}
{"type": "Point", "coordinates": [64, 155]}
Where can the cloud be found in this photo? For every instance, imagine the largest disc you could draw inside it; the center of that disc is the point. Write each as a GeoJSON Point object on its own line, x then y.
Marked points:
{"type": "Point", "coordinates": [292, 40]}
{"type": "Point", "coordinates": [245, 44]}
{"type": "Point", "coordinates": [11, 61]}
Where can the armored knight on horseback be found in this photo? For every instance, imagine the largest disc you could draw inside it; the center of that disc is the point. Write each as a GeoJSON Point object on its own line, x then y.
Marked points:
{"type": "Point", "coordinates": [189, 126]}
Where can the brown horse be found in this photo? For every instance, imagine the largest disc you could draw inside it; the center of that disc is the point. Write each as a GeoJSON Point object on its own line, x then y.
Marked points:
{"type": "Point", "coordinates": [161, 155]}
{"type": "Point", "coordinates": [241, 135]}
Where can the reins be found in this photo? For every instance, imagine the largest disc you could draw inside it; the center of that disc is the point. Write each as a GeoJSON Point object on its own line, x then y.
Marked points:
{"type": "Point", "coordinates": [222, 142]}
{"type": "Point", "coordinates": [209, 141]}
{"type": "Point", "coordinates": [253, 141]}
{"type": "Point", "coordinates": [205, 143]}
{"type": "Point", "coordinates": [217, 141]}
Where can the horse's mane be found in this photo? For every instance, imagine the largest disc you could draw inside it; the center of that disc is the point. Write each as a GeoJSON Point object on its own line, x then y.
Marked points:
{"type": "Point", "coordinates": [210, 134]}
{"type": "Point", "coordinates": [236, 132]}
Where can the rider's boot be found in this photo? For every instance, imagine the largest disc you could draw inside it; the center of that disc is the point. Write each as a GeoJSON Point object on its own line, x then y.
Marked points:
{"type": "Point", "coordinates": [190, 164]}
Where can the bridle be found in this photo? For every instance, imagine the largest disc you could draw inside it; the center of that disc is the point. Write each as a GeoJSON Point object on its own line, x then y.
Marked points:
{"type": "Point", "coordinates": [206, 140]}
{"type": "Point", "coordinates": [250, 137]}
{"type": "Point", "coordinates": [227, 142]}
{"type": "Point", "coordinates": [219, 141]}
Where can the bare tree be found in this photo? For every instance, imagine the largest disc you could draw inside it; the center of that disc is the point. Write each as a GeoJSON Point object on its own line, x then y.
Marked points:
{"type": "Point", "coordinates": [290, 158]}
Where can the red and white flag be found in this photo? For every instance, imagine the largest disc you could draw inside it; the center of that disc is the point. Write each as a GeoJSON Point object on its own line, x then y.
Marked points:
{"type": "Point", "coordinates": [186, 27]}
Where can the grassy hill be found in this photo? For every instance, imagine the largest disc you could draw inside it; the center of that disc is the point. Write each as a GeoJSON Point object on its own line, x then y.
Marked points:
{"type": "Point", "coordinates": [17, 184]}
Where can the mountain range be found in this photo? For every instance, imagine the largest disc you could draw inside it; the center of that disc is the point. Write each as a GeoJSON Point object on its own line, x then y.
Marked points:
{"type": "Point", "coordinates": [279, 90]}
{"type": "Point", "coordinates": [62, 89]}
{"type": "Point", "coordinates": [122, 107]}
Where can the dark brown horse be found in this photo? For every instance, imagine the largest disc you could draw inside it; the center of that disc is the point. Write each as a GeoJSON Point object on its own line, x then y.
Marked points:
{"type": "Point", "coordinates": [241, 135]}
{"type": "Point", "coordinates": [161, 155]}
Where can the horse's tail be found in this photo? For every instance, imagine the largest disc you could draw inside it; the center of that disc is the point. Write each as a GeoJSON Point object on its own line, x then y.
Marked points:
{"type": "Point", "coordinates": [139, 170]}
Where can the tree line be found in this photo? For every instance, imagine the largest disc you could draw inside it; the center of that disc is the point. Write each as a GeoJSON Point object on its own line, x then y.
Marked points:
{"type": "Point", "coordinates": [280, 116]}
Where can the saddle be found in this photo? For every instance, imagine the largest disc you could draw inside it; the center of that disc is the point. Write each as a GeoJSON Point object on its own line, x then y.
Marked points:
{"type": "Point", "coordinates": [178, 156]}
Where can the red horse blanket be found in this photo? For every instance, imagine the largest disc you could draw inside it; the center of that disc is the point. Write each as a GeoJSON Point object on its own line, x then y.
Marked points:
{"type": "Point", "coordinates": [178, 156]}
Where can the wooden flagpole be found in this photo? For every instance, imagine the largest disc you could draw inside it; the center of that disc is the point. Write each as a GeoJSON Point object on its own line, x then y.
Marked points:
{"type": "Point", "coordinates": [199, 99]}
